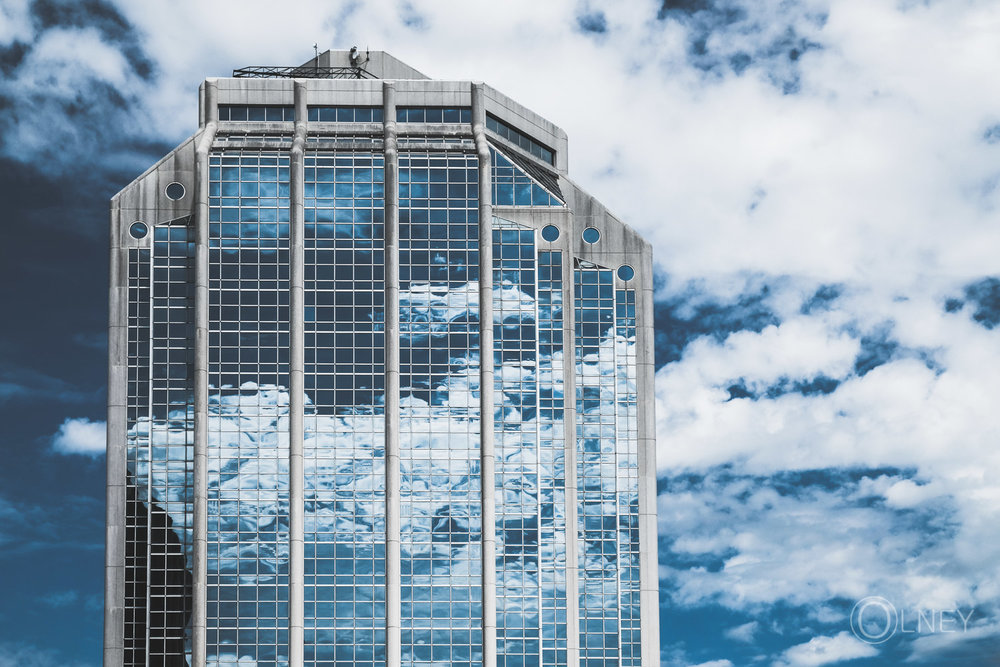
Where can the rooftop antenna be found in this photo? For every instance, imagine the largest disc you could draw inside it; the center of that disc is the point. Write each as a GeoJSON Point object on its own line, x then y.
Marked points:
{"type": "Point", "coordinates": [316, 54]}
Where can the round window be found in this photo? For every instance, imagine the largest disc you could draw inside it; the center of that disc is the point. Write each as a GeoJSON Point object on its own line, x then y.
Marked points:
{"type": "Point", "coordinates": [175, 191]}
{"type": "Point", "coordinates": [138, 229]}
{"type": "Point", "coordinates": [591, 235]}
{"type": "Point", "coordinates": [550, 233]}
{"type": "Point", "coordinates": [626, 272]}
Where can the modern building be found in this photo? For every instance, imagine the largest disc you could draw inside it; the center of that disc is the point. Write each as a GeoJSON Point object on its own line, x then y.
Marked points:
{"type": "Point", "coordinates": [316, 453]}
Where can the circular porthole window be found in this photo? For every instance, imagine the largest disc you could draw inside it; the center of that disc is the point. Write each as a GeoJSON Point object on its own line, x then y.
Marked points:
{"type": "Point", "coordinates": [138, 230]}
{"type": "Point", "coordinates": [591, 235]}
{"type": "Point", "coordinates": [626, 272]}
{"type": "Point", "coordinates": [175, 191]}
{"type": "Point", "coordinates": [550, 233]}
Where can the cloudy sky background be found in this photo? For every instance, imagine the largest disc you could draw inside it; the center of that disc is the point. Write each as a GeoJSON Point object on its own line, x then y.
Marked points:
{"type": "Point", "coordinates": [820, 183]}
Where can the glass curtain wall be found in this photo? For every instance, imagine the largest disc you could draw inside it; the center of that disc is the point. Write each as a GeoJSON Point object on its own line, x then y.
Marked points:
{"type": "Point", "coordinates": [607, 468]}
{"type": "Point", "coordinates": [530, 472]}
{"type": "Point", "coordinates": [440, 420]}
{"type": "Point", "coordinates": [344, 424]}
{"type": "Point", "coordinates": [248, 409]}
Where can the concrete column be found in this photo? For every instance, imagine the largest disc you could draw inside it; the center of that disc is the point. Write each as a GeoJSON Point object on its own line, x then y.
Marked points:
{"type": "Point", "coordinates": [649, 588]}
{"type": "Point", "coordinates": [114, 537]}
{"type": "Point", "coordinates": [487, 460]}
{"type": "Point", "coordinates": [393, 648]}
{"type": "Point", "coordinates": [296, 384]}
{"type": "Point", "coordinates": [200, 519]}
{"type": "Point", "coordinates": [569, 398]}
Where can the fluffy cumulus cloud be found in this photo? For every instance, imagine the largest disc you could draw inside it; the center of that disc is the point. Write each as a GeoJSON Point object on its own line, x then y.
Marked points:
{"type": "Point", "coordinates": [826, 651]}
{"type": "Point", "coordinates": [820, 184]}
{"type": "Point", "coordinates": [80, 436]}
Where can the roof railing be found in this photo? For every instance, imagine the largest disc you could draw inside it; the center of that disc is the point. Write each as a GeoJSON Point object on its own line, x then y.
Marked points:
{"type": "Point", "coordinates": [302, 72]}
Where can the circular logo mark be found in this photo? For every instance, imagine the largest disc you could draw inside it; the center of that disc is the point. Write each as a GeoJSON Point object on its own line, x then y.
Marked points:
{"type": "Point", "coordinates": [873, 619]}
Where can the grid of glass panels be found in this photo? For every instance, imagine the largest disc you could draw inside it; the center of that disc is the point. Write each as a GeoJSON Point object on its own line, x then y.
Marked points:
{"type": "Point", "coordinates": [518, 507]}
{"type": "Point", "coordinates": [344, 448]}
{"type": "Point", "coordinates": [529, 437]}
{"type": "Point", "coordinates": [433, 115]}
{"type": "Point", "coordinates": [627, 452]}
{"type": "Point", "coordinates": [248, 406]}
{"type": "Point", "coordinates": [159, 449]}
{"type": "Point", "coordinates": [171, 453]}
{"type": "Point", "coordinates": [596, 379]}
{"type": "Point", "coordinates": [552, 458]}
{"type": "Point", "coordinates": [256, 112]}
{"type": "Point", "coordinates": [137, 452]}
{"type": "Point", "coordinates": [339, 114]}
{"type": "Point", "coordinates": [513, 187]}
{"type": "Point", "coordinates": [439, 378]}
{"type": "Point", "coordinates": [519, 139]}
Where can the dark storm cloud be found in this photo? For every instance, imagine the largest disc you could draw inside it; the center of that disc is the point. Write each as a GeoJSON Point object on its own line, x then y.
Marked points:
{"type": "Point", "coordinates": [735, 36]}
{"type": "Point", "coordinates": [72, 93]}
{"type": "Point", "coordinates": [682, 318]}
{"type": "Point", "coordinates": [983, 299]}
{"type": "Point", "coordinates": [103, 17]}
{"type": "Point", "coordinates": [592, 22]}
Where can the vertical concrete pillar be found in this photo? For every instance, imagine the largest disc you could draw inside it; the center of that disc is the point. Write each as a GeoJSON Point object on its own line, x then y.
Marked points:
{"type": "Point", "coordinates": [569, 421]}
{"type": "Point", "coordinates": [487, 461]}
{"type": "Point", "coordinates": [114, 537]}
{"type": "Point", "coordinates": [649, 588]}
{"type": "Point", "coordinates": [393, 647]}
{"type": "Point", "coordinates": [296, 384]}
{"type": "Point", "coordinates": [200, 519]}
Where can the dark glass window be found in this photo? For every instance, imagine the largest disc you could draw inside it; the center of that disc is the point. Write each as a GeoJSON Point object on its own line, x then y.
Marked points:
{"type": "Point", "coordinates": [591, 235]}
{"type": "Point", "coordinates": [138, 229]}
{"type": "Point", "coordinates": [175, 191]}
{"type": "Point", "coordinates": [258, 113]}
{"type": "Point", "coordinates": [433, 115]}
{"type": "Point", "coordinates": [626, 272]}
{"type": "Point", "coordinates": [338, 114]}
{"type": "Point", "coordinates": [520, 139]}
{"type": "Point", "coordinates": [550, 233]}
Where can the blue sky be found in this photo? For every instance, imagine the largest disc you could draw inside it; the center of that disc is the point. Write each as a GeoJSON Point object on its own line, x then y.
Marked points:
{"type": "Point", "coordinates": [819, 181]}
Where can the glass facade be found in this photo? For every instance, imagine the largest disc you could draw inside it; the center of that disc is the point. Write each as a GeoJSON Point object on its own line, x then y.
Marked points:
{"type": "Point", "coordinates": [560, 326]}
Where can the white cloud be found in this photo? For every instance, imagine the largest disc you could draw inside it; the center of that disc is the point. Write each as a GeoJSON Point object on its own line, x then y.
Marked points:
{"type": "Point", "coordinates": [743, 633]}
{"type": "Point", "coordinates": [827, 650]}
{"type": "Point", "coordinates": [81, 436]}
{"type": "Point", "coordinates": [16, 654]}
{"type": "Point", "coordinates": [15, 22]}
{"type": "Point", "coordinates": [715, 663]}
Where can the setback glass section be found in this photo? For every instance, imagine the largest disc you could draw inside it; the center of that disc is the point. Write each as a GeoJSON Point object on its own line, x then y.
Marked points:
{"type": "Point", "coordinates": [513, 187]}
{"type": "Point", "coordinates": [552, 458]}
{"type": "Point", "coordinates": [627, 463]}
{"type": "Point", "coordinates": [248, 408]}
{"type": "Point", "coordinates": [607, 469]}
{"type": "Point", "coordinates": [137, 453]}
{"type": "Point", "coordinates": [344, 448]}
{"type": "Point", "coordinates": [159, 498]}
{"type": "Point", "coordinates": [530, 451]}
{"type": "Point", "coordinates": [439, 389]}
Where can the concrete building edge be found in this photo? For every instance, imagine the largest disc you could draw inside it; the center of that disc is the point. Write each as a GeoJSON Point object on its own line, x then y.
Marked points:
{"type": "Point", "coordinates": [648, 560]}
{"type": "Point", "coordinates": [569, 405]}
{"type": "Point", "coordinates": [393, 580]}
{"type": "Point", "coordinates": [115, 460]}
{"type": "Point", "coordinates": [296, 385]}
{"type": "Point", "coordinates": [200, 520]}
{"type": "Point", "coordinates": [487, 466]}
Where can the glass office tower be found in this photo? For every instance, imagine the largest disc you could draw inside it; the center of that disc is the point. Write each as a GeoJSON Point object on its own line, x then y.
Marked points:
{"type": "Point", "coordinates": [375, 368]}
